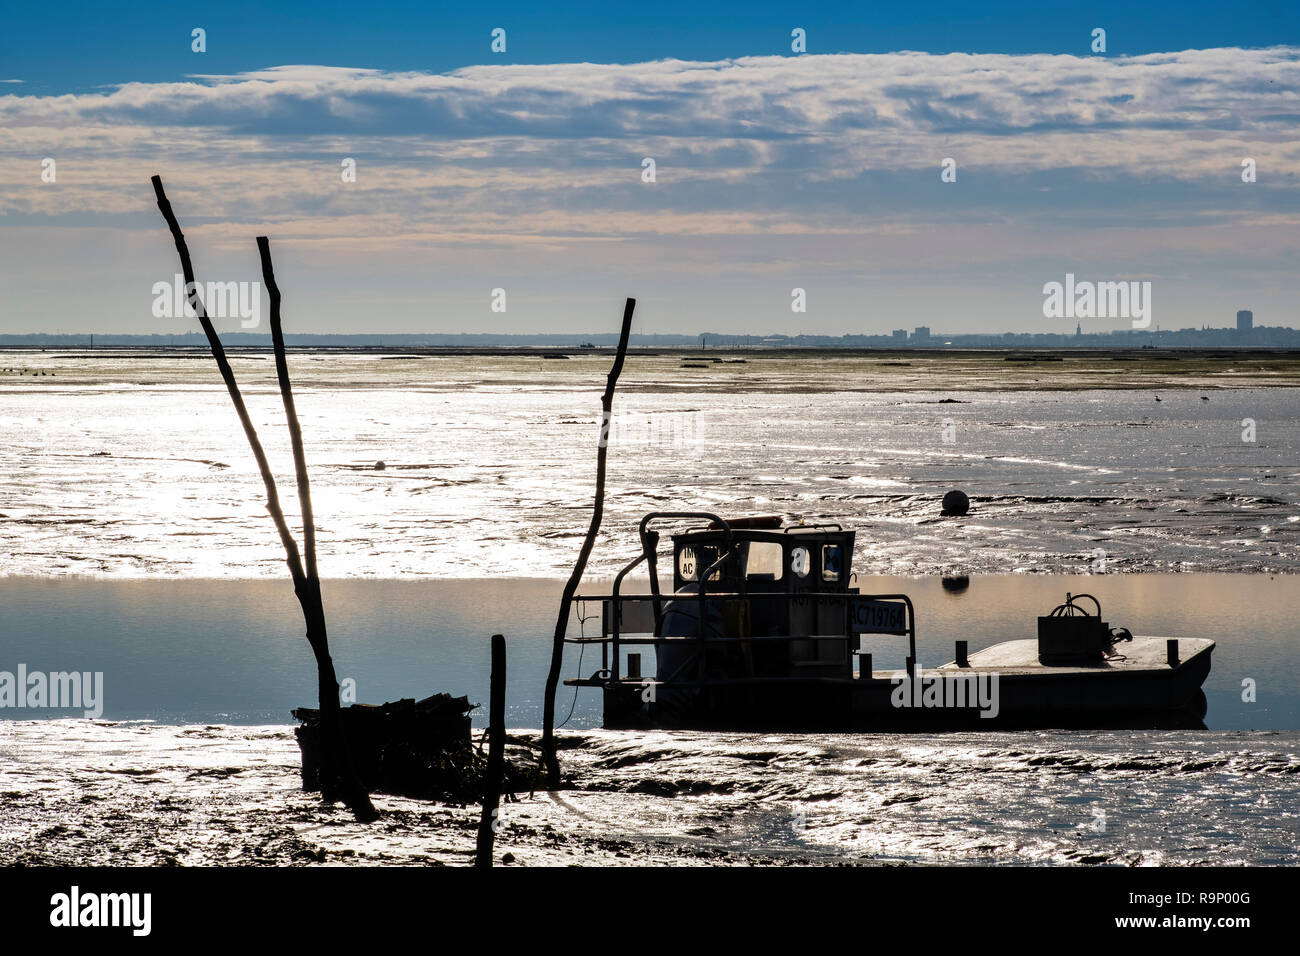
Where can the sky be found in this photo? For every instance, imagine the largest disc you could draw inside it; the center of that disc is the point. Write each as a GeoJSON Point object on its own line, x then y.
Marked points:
{"type": "Point", "coordinates": [774, 169]}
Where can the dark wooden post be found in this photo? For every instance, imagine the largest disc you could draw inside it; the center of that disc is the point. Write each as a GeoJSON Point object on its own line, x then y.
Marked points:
{"type": "Point", "coordinates": [340, 777]}
{"type": "Point", "coordinates": [337, 776]}
{"type": "Point", "coordinates": [496, 755]}
{"type": "Point", "coordinates": [549, 757]}
{"type": "Point", "coordinates": [232, 387]}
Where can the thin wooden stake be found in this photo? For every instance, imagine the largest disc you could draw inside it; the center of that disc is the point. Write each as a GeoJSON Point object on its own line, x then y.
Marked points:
{"type": "Point", "coordinates": [228, 376]}
{"type": "Point", "coordinates": [290, 410]}
{"type": "Point", "coordinates": [336, 767]}
{"type": "Point", "coordinates": [549, 757]}
{"type": "Point", "coordinates": [490, 819]}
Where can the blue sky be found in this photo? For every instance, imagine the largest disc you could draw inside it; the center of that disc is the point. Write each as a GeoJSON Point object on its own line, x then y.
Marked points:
{"type": "Point", "coordinates": [74, 47]}
{"type": "Point", "coordinates": [523, 170]}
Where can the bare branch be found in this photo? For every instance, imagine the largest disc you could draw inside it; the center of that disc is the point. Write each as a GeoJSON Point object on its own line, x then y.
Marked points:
{"type": "Point", "coordinates": [290, 411]}
{"type": "Point", "coordinates": [580, 567]}
{"type": "Point", "coordinates": [228, 376]}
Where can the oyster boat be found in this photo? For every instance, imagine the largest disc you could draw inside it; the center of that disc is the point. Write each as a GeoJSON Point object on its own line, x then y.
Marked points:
{"type": "Point", "coordinates": [762, 630]}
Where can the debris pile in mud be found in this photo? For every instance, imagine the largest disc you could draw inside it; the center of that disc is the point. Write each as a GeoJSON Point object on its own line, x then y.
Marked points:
{"type": "Point", "coordinates": [419, 749]}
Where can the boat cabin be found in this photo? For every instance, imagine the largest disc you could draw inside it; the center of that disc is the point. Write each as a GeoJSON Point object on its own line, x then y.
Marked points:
{"type": "Point", "coordinates": [752, 598]}
{"type": "Point", "coordinates": [779, 582]}
{"type": "Point", "coordinates": [762, 555]}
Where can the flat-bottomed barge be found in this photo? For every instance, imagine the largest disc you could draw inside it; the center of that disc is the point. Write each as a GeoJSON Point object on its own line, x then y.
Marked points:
{"type": "Point", "coordinates": [763, 631]}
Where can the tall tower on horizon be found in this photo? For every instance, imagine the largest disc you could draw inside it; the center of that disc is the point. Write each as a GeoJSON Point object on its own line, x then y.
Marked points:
{"type": "Point", "coordinates": [1245, 320]}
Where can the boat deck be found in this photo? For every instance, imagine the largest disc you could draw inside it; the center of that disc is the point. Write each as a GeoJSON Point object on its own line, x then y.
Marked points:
{"type": "Point", "coordinates": [1016, 658]}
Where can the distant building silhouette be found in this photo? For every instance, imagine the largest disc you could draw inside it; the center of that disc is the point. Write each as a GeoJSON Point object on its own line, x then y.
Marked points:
{"type": "Point", "coordinates": [1243, 335]}
{"type": "Point", "coordinates": [1245, 320]}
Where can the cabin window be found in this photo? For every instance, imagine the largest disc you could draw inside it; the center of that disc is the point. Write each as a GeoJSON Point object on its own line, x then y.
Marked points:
{"type": "Point", "coordinates": [694, 561]}
{"type": "Point", "coordinates": [687, 564]}
{"type": "Point", "coordinates": [832, 562]}
{"type": "Point", "coordinates": [708, 557]}
{"type": "Point", "coordinates": [799, 562]}
{"type": "Point", "coordinates": [765, 561]}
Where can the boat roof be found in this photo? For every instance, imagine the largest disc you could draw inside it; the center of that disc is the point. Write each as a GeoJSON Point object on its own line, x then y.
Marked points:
{"type": "Point", "coordinates": [748, 529]}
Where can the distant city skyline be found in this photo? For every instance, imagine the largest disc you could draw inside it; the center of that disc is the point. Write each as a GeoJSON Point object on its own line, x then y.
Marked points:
{"type": "Point", "coordinates": [413, 180]}
{"type": "Point", "coordinates": [1250, 336]}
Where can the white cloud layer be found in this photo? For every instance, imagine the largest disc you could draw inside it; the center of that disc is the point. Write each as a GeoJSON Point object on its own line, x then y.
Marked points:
{"type": "Point", "coordinates": [774, 165]}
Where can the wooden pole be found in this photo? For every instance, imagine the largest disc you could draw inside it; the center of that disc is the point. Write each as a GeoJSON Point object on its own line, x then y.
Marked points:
{"type": "Point", "coordinates": [336, 769]}
{"type": "Point", "coordinates": [228, 376]}
{"type": "Point", "coordinates": [290, 410]}
{"type": "Point", "coordinates": [490, 819]}
{"type": "Point", "coordinates": [549, 757]}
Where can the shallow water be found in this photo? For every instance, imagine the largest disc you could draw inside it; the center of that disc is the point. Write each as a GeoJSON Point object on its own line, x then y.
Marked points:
{"type": "Point", "coordinates": [131, 523]}
{"type": "Point", "coordinates": [233, 652]}
{"type": "Point", "coordinates": [136, 467]}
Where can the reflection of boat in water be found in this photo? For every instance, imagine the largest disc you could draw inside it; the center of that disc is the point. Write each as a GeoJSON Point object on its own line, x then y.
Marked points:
{"type": "Point", "coordinates": [762, 630]}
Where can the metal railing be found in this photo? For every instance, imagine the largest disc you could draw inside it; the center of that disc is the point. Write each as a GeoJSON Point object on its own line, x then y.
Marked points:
{"type": "Point", "coordinates": [612, 638]}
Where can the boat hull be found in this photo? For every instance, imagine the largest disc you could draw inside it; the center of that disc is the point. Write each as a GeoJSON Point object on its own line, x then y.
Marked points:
{"type": "Point", "coordinates": [1002, 687]}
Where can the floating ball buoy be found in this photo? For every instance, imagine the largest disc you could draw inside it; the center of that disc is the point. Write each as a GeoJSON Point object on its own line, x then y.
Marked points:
{"type": "Point", "coordinates": [955, 503]}
{"type": "Point", "coordinates": [955, 583]}
{"type": "Point", "coordinates": [380, 466]}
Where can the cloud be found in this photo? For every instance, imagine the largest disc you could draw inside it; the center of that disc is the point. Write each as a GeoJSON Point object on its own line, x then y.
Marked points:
{"type": "Point", "coordinates": [758, 98]}
{"type": "Point", "coordinates": [763, 163]}
{"type": "Point", "coordinates": [760, 132]}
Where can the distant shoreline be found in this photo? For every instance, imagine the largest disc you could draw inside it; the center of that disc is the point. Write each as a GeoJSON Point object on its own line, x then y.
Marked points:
{"type": "Point", "coordinates": [1040, 353]}
{"type": "Point", "coordinates": [681, 370]}
{"type": "Point", "coordinates": [1211, 339]}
